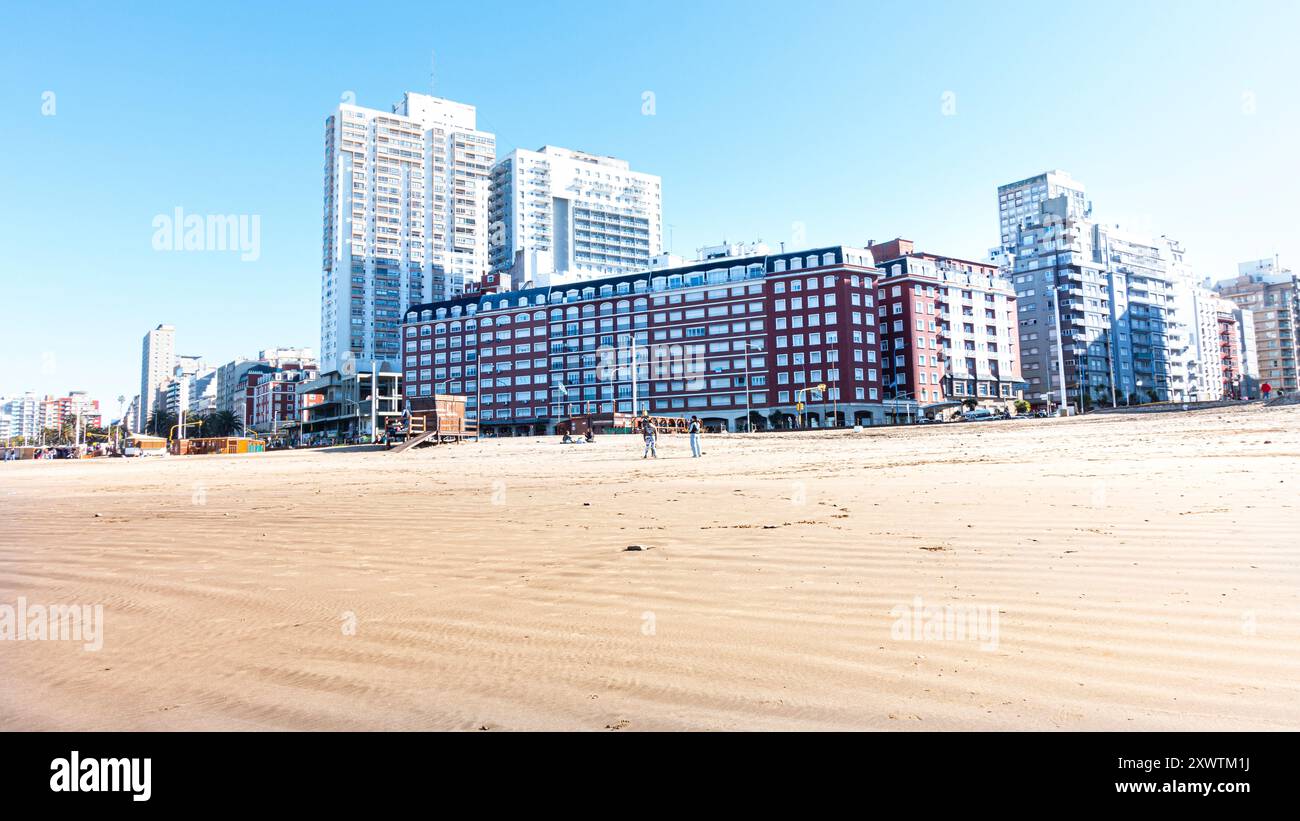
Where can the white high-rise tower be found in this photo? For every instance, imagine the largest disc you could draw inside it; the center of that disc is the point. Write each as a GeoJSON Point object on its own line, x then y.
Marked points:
{"type": "Point", "coordinates": [405, 219]}
{"type": "Point", "coordinates": [157, 359]}
{"type": "Point", "coordinates": [572, 214]}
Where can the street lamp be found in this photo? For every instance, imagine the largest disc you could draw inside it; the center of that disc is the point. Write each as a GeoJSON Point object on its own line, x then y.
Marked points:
{"type": "Point", "coordinates": [801, 406]}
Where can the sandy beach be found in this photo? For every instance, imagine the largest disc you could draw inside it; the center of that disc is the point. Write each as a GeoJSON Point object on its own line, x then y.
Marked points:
{"type": "Point", "coordinates": [1143, 572]}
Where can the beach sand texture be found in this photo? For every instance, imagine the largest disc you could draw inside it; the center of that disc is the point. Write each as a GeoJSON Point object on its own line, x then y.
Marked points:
{"type": "Point", "coordinates": [1144, 571]}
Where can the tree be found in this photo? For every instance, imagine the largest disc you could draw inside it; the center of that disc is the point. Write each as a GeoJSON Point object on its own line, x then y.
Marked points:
{"type": "Point", "coordinates": [775, 418]}
{"type": "Point", "coordinates": [1022, 406]}
{"type": "Point", "coordinates": [160, 422]}
{"type": "Point", "coordinates": [221, 423]}
{"type": "Point", "coordinates": [756, 421]}
{"type": "Point", "coordinates": [971, 403]}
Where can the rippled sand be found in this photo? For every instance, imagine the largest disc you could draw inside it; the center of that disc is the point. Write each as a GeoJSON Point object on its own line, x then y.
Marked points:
{"type": "Point", "coordinates": [1144, 572]}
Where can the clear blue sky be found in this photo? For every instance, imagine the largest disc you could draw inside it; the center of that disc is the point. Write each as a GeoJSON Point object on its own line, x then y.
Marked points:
{"type": "Point", "coordinates": [827, 114]}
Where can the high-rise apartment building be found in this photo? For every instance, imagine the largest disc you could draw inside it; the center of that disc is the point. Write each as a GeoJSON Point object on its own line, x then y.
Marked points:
{"type": "Point", "coordinates": [75, 408]}
{"type": "Point", "coordinates": [1022, 203]}
{"type": "Point", "coordinates": [559, 215]}
{"type": "Point", "coordinates": [1119, 300]}
{"type": "Point", "coordinates": [1272, 296]}
{"type": "Point", "coordinates": [405, 219]}
{"type": "Point", "coordinates": [24, 414]}
{"type": "Point", "coordinates": [157, 359]}
{"type": "Point", "coordinates": [1220, 363]}
{"type": "Point", "coordinates": [179, 387]}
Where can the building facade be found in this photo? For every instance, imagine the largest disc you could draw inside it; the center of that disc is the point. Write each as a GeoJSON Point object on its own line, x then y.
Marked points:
{"type": "Point", "coordinates": [24, 414]}
{"type": "Point", "coordinates": [1025, 203]}
{"type": "Point", "coordinates": [949, 332]}
{"type": "Point", "coordinates": [274, 396]}
{"type": "Point", "coordinates": [232, 378]}
{"type": "Point", "coordinates": [776, 339]}
{"type": "Point", "coordinates": [1118, 299]}
{"type": "Point", "coordinates": [559, 215]}
{"type": "Point", "coordinates": [342, 405]}
{"type": "Point", "coordinates": [1272, 296]}
{"type": "Point", "coordinates": [405, 219]}
{"type": "Point", "coordinates": [157, 359]}
{"type": "Point", "coordinates": [178, 390]}
{"type": "Point", "coordinates": [1220, 367]}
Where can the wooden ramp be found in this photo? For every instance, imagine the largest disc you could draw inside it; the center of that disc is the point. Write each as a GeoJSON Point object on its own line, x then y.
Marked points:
{"type": "Point", "coordinates": [412, 442]}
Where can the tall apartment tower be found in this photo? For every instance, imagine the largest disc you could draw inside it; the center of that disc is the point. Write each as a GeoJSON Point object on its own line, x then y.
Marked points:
{"type": "Point", "coordinates": [24, 414]}
{"type": "Point", "coordinates": [559, 215]}
{"type": "Point", "coordinates": [1021, 203]}
{"type": "Point", "coordinates": [1119, 300]}
{"type": "Point", "coordinates": [157, 359]}
{"type": "Point", "coordinates": [405, 219]}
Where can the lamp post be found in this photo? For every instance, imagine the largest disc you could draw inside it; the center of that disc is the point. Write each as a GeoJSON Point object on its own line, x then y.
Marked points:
{"type": "Point", "coordinates": [802, 406]}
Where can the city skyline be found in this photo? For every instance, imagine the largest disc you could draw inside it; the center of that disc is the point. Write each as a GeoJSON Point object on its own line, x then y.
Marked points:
{"type": "Point", "coordinates": [1185, 152]}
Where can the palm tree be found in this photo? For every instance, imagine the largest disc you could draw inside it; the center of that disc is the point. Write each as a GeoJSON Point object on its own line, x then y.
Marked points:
{"type": "Point", "coordinates": [221, 423]}
{"type": "Point", "coordinates": [160, 421]}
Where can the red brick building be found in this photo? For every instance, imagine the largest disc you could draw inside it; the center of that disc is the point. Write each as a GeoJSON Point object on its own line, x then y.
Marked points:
{"type": "Point", "coordinates": [274, 395]}
{"type": "Point", "coordinates": [727, 339]}
{"type": "Point", "coordinates": [948, 331]}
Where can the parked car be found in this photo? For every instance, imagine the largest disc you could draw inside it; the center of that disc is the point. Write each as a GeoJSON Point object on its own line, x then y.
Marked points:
{"type": "Point", "coordinates": [978, 415]}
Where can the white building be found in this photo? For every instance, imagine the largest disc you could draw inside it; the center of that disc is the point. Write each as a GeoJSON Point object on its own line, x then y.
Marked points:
{"type": "Point", "coordinates": [229, 390]}
{"type": "Point", "coordinates": [192, 387]}
{"type": "Point", "coordinates": [157, 359]}
{"type": "Point", "coordinates": [23, 414]}
{"type": "Point", "coordinates": [559, 215]}
{"type": "Point", "coordinates": [405, 218]}
{"type": "Point", "coordinates": [1210, 310]}
{"type": "Point", "coordinates": [203, 391]}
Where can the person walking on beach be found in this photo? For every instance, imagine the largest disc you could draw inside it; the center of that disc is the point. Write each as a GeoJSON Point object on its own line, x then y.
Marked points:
{"type": "Point", "coordinates": [694, 430]}
{"type": "Point", "coordinates": [650, 433]}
